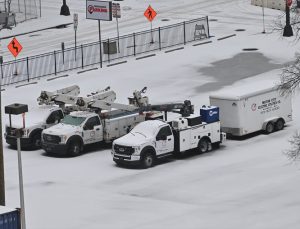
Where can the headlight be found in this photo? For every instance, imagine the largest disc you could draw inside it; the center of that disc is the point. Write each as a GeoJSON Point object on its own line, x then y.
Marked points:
{"type": "Point", "coordinates": [63, 138]}
{"type": "Point", "coordinates": [26, 132]}
{"type": "Point", "coordinates": [136, 150]}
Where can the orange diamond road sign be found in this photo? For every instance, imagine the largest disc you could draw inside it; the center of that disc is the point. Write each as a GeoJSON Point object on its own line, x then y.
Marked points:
{"type": "Point", "coordinates": [15, 47]}
{"type": "Point", "coordinates": [150, 13]}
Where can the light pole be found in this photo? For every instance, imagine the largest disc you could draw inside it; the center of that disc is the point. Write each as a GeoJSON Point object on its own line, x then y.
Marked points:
{"type": "Point", "coordinates": [64, 10]}
{"type": "Point", "coordinates": [2, 183]}
{"type": "Point", "coordinates": [263, 13]}
{"type": "Point", "coordinates": [288, 31]}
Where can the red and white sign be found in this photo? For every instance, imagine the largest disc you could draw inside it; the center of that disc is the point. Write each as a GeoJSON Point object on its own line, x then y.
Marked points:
{"type": "Point", "coordinates": [99, 10]}
{"type": "Point", "coordinates": [289, 2]}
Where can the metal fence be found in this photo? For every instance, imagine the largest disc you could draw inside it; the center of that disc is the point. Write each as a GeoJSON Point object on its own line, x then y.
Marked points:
{"type": "Point", "coordinates": [23, 9]}
{"type": "Point", "coordinates": [111, 50]}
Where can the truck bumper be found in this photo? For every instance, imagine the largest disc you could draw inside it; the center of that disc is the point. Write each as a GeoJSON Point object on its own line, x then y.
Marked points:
{"type": "Point", "coordinates": [126, 159]}
{"type": "Point", "coordinates": [12, 140]}
{"type": "Point", "coordinates": [57, 149]}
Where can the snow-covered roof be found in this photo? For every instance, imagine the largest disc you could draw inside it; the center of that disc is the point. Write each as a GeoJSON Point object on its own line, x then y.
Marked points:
{"type": "Point", "coordinates": [33, 116]}
{"type": "Point", "coordinates": [4, 209]}
{"type": "Point", "coordinates": [82, 113]}
{"type": "Point", "coordinates": [245, 90]}
{"type": "Point", "coordinates": [149, 127]}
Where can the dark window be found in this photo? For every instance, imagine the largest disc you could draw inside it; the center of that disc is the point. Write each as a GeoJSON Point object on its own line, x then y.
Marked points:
{"type": "Point", "coordinates": [55, 117]}
{"type": "Point", "coordinates": [165, 131]}
{"type": "Point", "coordinates": [94, 121]}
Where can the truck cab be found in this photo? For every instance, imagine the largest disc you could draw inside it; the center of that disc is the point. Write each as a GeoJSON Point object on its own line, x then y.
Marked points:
{"type": "Point", "coordinates": [35, 121]}
{"type": "Point", "coordinates": [75, 130]}
{"type": "Point", "coordinates": [146, 141]}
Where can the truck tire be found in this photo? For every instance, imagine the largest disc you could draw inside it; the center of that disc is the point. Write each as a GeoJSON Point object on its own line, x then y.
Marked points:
{"type": "Point", "coordinates": [74, 149]}
{"type": "Point", "coordinates": [279, 125]}
{"type": "Point", "coordinates": [269, 128]}
{"type": "Point", "coordinates": [203, 145]}
{"type": "Point", "coordinates": [147, 160]}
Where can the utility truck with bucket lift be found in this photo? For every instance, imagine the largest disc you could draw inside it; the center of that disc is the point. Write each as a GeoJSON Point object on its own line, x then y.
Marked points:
{"type": "Point", "coordinates": [96, 123]}
{"type": "Point", "coordinates": [252, 107]}
{"type": "Point", "coordinates": [37, 119]}
{"type": "Point", "coordinates": [155, 139]}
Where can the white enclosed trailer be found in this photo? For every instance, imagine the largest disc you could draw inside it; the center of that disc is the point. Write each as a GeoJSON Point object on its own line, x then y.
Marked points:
{"type": "Point", "coordinates": [252, 107]}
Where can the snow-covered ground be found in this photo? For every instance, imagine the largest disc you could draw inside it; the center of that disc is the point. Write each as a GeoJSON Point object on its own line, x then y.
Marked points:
{"type": "Point", "coordinates": [245, 184]}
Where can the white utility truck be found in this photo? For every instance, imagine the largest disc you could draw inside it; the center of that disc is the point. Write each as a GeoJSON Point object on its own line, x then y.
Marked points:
{"type": "Point", "coordinates": [96, 123]}
{"type": "Point", "coordinates": [252, 107]}
{"type": "Point", "coordinates": [154, 139]}
{"type": "Point", "coordinates": [37, 119]}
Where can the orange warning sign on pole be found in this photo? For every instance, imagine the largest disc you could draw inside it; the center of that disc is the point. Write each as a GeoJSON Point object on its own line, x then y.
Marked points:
{"type": "Point", "coordinates": [15, 47]}
{"type": "Point", "coordinates": [150, 13]}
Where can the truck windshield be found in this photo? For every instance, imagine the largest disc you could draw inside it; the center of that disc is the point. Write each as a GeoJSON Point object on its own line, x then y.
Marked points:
{"type": "Point", "coordinates": [73, 120]}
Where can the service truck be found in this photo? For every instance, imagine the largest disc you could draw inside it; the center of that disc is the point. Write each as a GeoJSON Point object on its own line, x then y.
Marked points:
{"type": "Point", "coordinates": [252, 107]}
{"type": "Point", "coordinates": [37, 119]}
{"type": "Point", "coordinates": [99, 122]}
{"type": "Point", "coordinates": [154, 139]}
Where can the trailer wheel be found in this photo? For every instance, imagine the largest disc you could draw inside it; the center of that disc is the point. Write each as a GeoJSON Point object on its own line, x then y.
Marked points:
{"type": "Point", "coordinates": [147, 160]}
{"type": "Point", "coordinates": [203, 145]}
{"type": "Point", "coordinates": [279, 125]}
{"type": "Point", "coordinates": [74, 148]}
{"type": "Point", "coordinates": [269, 128]}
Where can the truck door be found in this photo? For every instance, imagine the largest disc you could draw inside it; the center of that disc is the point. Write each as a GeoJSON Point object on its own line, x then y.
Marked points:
{"type": "Point", "coordinates": [164, 141]}
{"type": "Point", "coordinates": [92, 130]}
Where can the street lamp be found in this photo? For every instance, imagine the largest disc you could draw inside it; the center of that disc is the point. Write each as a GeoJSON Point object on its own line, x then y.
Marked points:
{"type": "Point", "coordinates": [288, 31]}
{"type": "Point", "coordinates": [64, 10]}
{"type": "Point", "coordinates": [16, 109]}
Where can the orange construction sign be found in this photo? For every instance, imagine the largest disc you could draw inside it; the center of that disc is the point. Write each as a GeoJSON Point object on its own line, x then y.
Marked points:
{"type": "Point", "coordinates": [150, 13]}
{"type": "Point", "coordinates": [15, 47]}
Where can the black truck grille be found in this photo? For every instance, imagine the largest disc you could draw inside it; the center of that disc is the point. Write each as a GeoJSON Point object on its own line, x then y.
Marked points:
{"type": "Point", "coordinates": [123, 150]}
{"type": "Point", "coordinates": [51, 138]}
{"type": "Point", "coordinates": [10, 131]}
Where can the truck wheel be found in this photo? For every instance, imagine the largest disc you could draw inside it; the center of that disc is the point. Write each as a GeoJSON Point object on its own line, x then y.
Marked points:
{"type": "Point", "coordinates": [36, 141]}
{"type": "Point", "coordinates": [147, 160]}
{"type": "Point", "coordinates": [279, 124]}
{"type": "Point", "coordinates": [203, 145]}
{"type": "Point", "coordinates": [74, 149]}
{"type": "Point", "coordinates": [269, 128]}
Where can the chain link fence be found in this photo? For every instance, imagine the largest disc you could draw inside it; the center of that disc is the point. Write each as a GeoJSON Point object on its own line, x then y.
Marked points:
{"type": "Point", "coordinates": [112, 50]}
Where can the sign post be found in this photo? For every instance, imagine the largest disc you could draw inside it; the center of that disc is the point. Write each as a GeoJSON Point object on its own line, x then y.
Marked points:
{"type": "Point", "coordinates": [15, 48]}
{"type": "Point", "coordinates": [99, 10]}
{"type": "Point", "coordinates": [150, 14]}
{"type": "Point", "coordinates": [75, 21]}
{"type": "Point", "coordinates": [116, 13]}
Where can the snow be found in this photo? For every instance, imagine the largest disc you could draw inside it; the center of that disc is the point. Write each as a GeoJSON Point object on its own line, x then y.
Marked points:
{"type": "Point", "coordinates": [246, 90]}
{"type": "Point", "coordinates": [246, 184]}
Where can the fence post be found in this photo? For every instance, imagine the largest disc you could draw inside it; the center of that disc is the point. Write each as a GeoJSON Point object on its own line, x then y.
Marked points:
{"type": "Point", "coordinates": [82, 56]}
{"type": "Point", "coordinates": [55, 70]}
{"type": "Point", "coordinates": [159, 38]}
{"type": "Point", "coordinates": [1, 70]}
{"type": "Point", "coordinates": [134, 51]}
{"type": "Point", "coordinates": [184, 35]}
{"type": "Point", "coordinates": [208, 36]}
{"type": "Point", "coordinates": [27, 63]}
{"type": "Point", "coordinates": [108, 50]}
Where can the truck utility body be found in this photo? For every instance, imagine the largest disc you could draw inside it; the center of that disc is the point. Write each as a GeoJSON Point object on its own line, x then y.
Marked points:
{"type": "Point", "coordinates": [252, 107]}
{"type": "Point", "coordinates": [154, 139]}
